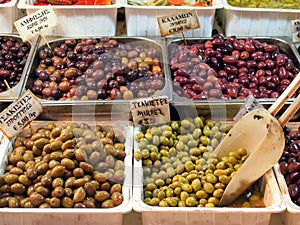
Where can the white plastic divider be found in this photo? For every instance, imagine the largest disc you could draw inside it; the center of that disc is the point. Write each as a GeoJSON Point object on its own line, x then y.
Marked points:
{"type": "Point", "coordinates": [8, 15]}
{"type": "Point", "coordinates": [142, 20]}
{"type": "Point", "coordinates": [242, 21]}
{"type": "Point", "coordinates": [80, 20]}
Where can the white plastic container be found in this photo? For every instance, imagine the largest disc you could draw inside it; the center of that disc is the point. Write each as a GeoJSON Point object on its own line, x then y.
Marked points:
{"type": "Point", "coordinates": [79, 20]}
{"type": "Point", "coordinates": [142, 20]}
{"type": "Point", "coordinates": [241, 21]}
{"type": "Point", "coordinates": [198, 215]}
{"type": "Point", "coordinates": [292, 216]}
{"type": "Point", "coordinates": [8, 15]}
{"type": "Point", "coordinates": [73, 216]}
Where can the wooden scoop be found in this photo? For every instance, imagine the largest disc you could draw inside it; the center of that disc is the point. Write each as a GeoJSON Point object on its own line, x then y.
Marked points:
{"type": "Point", "coordinates": [261, 134]}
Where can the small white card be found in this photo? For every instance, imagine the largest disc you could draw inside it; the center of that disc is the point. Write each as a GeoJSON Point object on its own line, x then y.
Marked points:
{"type": "Point", "coordinates": [178, 23]}
{"type": "Point", "coordinates": [20, 113]}
{"type": "Point", "coordinates": [295, 30]}
{"type": "Point", "coordinates": [150, 111]}
{"type": "Point", "coordinates": [36, 23]}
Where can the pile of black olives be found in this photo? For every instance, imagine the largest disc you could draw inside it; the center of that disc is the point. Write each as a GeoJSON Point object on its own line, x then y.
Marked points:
{"type": "Point", "coordinates": [230, 68]}
{"type": "Point", "coordinates": [13, 57]}
{"type": "Point", "coordinates": [98, 69]}
{"type": "Point", "coordinates": [65, 166]}
{"type": "Point", "coordinates": [289, 163]}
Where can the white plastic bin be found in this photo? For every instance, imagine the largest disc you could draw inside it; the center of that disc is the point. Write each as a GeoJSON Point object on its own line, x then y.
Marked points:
{"type": "Point", "coordinates": [142, 20]}
{"type": "Point", "coordinates": [8, 15]}
{"type": "Point", "coordinates": [73, 216]}
{"type": "Point", "coordinates": [79, 20]}
{"type": "Point", "coordinates": [241, 21]}
{"type": "Point", "coordinates": [201, 216]}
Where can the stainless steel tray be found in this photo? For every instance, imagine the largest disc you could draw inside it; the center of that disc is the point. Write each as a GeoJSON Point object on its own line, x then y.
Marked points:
{"type": "Point", "coordinates": [156, 43]}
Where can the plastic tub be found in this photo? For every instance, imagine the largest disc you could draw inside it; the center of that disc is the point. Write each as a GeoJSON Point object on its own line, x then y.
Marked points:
{"type": "Point", "coordinates": [142, 20]}
{"type": "Point", "coordinates": [8, 15]}
{"type": "Point", "coordinates": [74, 216]}
{"type": "Point", "coordinates": [78, 19]}
{"type": "Point", "coordinates": [243, 21]}
{"type": "Point", "coordinates": [201, 215]}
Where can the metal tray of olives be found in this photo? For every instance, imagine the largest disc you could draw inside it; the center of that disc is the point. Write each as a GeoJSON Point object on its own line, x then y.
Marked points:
{"type": "Point", "coordinates": [23, 59]}
{"type": "Point", "coordinates": [110, 214]}
{"type": "Point", "coordinates": [104, 70]}
{"type": "Point", "coordinates": [154, 175]}
{"type": "Point", "coordinates": [284, 46]}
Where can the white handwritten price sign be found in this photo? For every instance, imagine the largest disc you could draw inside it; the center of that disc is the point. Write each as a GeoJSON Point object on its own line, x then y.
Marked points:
{"type": "Point", "coordinates": [178, 23]}
{"type": "Point", "coordinates": [36, 23]}
{"type": "Point", "coordinates": [150, 111]}
{"type": "Point", "coordinates": [295, 30]}
{"type": "Point", "coordinates": [20, 113]}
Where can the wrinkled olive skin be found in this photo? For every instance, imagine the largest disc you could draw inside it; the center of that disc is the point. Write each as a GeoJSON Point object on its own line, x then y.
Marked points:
{"type": "Point", "coordinates": [64, 172]}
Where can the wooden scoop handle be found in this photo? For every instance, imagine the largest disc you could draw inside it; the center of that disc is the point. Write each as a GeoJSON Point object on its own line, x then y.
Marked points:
{"type": "Point", "coordinates": [288, 92]}
{"type": "Point", "coordinates": [289, 112]}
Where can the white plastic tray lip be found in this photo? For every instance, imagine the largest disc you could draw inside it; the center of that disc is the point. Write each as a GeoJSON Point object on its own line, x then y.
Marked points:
{"type": "Point", "coordinates": [217, 4]}
{"type": "Point", "coordinates": [8, 4]}
{"type": "Point", "coordinates": [123, 208]}
{"type": "Point", "coordinates": [256, 10]}
{"type": "Point", "coordinates": [29, 4]}
{"type": "Point", "coordinates": [140, 206]}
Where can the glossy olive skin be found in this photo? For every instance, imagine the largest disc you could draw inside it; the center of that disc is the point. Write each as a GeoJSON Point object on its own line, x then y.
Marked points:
{"type": "Point", "coordinates": [98, 69]}
{"type": "Point", "coordinates": [289, 163]}
{"type": "Point", "coordinates": [57, 176]}
{"type": "Point", "coordinates": [13, 57]}
{"type": "Point", "coordinates": [230, 68]}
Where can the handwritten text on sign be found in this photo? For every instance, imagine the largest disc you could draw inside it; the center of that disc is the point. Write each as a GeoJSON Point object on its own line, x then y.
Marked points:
{"type": "Point", "coordinates": [18, 114]}
{"type": "Point", "coordinates": [150, 111]}
{"type": "Point", "coordinates": [37, 22]}
{"type": "Point", "coordinates": [178, 23]}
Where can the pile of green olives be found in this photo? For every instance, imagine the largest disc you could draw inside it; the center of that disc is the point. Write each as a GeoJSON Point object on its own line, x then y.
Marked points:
{"type": "Point", "coordinates": [278, 4]}
{"type": "Point", "coordinates": [180, 168]}
{"type": "Point", "coordinates": [65, 166]}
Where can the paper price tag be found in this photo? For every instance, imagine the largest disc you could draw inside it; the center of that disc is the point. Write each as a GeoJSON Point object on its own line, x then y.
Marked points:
{"type": "Point", "coordinates": [36, 23]}
{"type": "Point", "coordinates": [20, 113]}
{"type": "Point", "coordinates": [150, 111]}
{"type": "Point", "coordinates": [295, 30]}
{"type": "Point", "coordinates": [178, 23]}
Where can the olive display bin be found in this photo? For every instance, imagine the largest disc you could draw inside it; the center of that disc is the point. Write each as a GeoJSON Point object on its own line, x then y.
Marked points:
{"type": "Point", "coordinates": [284, 45]}
{"type": "Point", "coordinates": [16, 91]}
{"type": "Point", "coordinates": [142, 20]}
{"type": "Point", "coordinates": [74, 216]}
{"type": "Point", "coordinates": [8, 15]}
{"type": "Point", "coordinates": [201, 215]}
{"type": "Point", "coordinates": [79, 19]}
{"type": "Point", "coordinates": [242, 21]}
{"type": "Point", "coordinates": [292, 214]}
{"type": "Point", "coordinates": [156, 43]}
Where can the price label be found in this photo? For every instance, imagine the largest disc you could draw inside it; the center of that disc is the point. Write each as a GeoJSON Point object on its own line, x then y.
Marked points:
{"type": "Point", "coordinates": [20, 113]}
{"type": "Point", "coordinates": [178, 23]}
{"type": "Point", "coordinates": [295, 30]}
{"type": "Point", "coordinates": [36, 23]}
{"type": "Point", "coordinates": [150, 111]}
